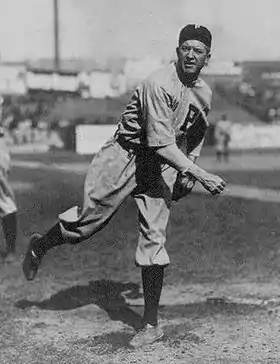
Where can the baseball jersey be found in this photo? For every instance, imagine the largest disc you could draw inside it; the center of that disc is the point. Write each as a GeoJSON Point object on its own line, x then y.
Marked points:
{"type": "Point", "coordinates": [162, 111]}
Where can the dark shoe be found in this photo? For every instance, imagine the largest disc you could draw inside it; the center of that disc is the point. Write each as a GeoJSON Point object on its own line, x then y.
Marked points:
{"type": "Point", "coordinates": [31, 262]}
{"type": "Point", "coordinates": [148, 335]}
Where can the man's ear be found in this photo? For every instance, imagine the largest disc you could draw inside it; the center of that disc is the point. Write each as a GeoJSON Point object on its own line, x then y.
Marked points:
{"type": "Point", "coordinates": [207, 59]}
{"type": "Point", "coordinates": [177, 51]}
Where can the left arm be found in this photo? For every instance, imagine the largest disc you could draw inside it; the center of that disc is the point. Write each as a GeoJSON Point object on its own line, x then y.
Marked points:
{"type": "Point", "coordinates": [184, 184]}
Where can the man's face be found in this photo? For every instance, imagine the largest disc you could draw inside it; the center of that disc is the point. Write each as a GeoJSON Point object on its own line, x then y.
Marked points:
{"type": "Point", "coordinates": [192, 57]}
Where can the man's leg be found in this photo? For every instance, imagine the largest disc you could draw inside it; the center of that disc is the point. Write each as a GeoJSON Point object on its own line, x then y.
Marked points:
{"type": "Point", "coordinates": [8, 213]}
{"type": "Point", "coordinates": [219, 156]}
{"type": "Point", "coordinates": [9, 225]}
{"type": "Point", "coordinates": [152, 279]}
{"type": "Point", "coordinates": [38, 247]}
{"type": "Point", "coordinates": [226, 154]}
{"type": "Point", "coordinates": [154, 210]}
{"type": "Point", "coordinates": [110, 179]}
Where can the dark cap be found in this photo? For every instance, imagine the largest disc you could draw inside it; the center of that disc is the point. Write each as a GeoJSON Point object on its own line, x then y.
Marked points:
{"type": "Point", "coordinates": [197, 32]}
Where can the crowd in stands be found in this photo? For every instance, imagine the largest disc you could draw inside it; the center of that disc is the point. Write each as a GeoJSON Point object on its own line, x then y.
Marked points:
{"type": "Point", "coordinates": [261, 100]}
{"type": "Point", "coordinates": [34, 116]}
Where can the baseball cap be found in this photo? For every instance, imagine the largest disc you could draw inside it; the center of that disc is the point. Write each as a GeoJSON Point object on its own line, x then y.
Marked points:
{"type": "Point", "coordinates": [197, 32]}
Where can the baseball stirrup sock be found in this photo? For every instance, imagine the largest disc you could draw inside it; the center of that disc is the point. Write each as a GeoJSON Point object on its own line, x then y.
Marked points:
{"type": "Point", "coordinates": [9, 225]}
{"type": "Point", "coordinates": [48, 241]}
{"type": "Point", "coordinates": [152, 278]}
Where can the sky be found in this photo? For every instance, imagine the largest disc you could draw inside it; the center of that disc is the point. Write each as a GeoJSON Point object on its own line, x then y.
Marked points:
{"type": "Point", "coordinates": [102, 29]}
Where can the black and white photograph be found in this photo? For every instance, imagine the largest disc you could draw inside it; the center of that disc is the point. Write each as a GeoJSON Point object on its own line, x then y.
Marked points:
{"type": "Point", "coordinates": [139, 182]}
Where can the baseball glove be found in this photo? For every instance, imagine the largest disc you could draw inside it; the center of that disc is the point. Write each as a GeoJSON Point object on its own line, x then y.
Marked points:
{"type": "Point", "coordinates": [183, 186]}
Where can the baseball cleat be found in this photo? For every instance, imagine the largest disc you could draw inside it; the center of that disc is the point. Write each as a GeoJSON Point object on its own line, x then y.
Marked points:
{"type": "Point", "coordinates": [148, 335]}
{"type": "Point", "coordinates": [31, 262]}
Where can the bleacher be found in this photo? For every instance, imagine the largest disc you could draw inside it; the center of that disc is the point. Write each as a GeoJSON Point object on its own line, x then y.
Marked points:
{"type": "Point", "coordinates": [220, 105]}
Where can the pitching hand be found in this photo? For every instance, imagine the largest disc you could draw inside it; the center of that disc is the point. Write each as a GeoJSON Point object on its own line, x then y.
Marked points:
{"type": "Point", "coordinates": [213, 183]}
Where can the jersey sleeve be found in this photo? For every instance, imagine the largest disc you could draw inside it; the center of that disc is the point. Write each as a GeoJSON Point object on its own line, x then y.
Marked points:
{"type": "Point", "coordinates": [157, 115]}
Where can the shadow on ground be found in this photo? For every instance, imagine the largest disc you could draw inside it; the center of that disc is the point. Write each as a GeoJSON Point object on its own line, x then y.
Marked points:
{"type": "Point", "coordinates": [111, 297]}
{"type": "Point", "coordinates": [108, 295]}
{"type": "Point", "coordinates": [179, 334]}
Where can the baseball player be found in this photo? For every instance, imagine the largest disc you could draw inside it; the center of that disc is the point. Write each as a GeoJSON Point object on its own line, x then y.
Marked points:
{"type": "Point", "coordinates": [8, 208]}
{"type": "Point", "coordinates": [152, 158]}
{"type": "Point", "coordinates": [222, 138]}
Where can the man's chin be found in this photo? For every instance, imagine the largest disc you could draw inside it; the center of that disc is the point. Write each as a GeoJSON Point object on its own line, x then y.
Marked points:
{"type": "Point", "coordinates": [190, 71]}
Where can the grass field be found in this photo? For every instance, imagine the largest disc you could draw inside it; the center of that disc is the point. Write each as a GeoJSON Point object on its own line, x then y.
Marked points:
{"type": "Point", "coordinates": [82, 308]}
{"type": "Point", "coordinates": [261, 179]}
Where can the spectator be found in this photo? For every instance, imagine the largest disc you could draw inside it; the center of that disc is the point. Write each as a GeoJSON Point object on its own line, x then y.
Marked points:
{"type": "Point", "coordinates": [222, 138]}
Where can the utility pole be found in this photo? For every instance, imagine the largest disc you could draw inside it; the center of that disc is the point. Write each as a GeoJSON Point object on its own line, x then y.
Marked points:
{"type": "Point", "coordinates": [56, 35]}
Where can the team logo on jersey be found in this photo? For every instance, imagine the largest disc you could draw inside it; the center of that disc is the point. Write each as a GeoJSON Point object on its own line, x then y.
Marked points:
{"type": "Point", "coordinates": [192, 115]}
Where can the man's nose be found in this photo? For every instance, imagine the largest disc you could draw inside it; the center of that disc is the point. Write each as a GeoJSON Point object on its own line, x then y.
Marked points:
{"type": "Point", "coordinates": [190, 53]}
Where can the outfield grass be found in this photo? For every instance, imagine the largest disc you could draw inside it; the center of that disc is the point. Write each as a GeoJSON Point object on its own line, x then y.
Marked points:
{"type": "Point", "coordinates": [256, 178]}
{"type": "Point", "coordinates": [58, 156]}
{"type": "Point", "coordinates": [260, 179]}
{"type": "Point", "coordinates": [208, 238]}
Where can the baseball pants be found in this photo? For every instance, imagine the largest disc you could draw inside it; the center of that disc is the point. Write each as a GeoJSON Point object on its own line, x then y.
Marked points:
{"type": "Point", "coordinates": [7, 198]}
{"type": "Point", "coordinates": [114, 174]}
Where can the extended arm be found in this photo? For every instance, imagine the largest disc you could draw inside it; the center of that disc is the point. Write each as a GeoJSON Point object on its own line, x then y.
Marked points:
{"type": "Point", "coordinates": [184, 165]}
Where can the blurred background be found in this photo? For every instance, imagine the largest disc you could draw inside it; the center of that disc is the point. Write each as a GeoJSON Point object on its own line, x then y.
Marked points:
{"type": "Point", "coordinates": [69, 65]}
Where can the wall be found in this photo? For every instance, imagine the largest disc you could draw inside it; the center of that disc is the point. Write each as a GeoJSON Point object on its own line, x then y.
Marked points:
{"type": "Point", "coordinates": [255, 136]}
{"type": "Point", "coordinates": [12, 79]}
{"type": "Point", "coordinates": [105, 84]}
{"type": "Point", "coordinates": [51, 81]}
{"type": "Point", "coordinates": [89, 138]}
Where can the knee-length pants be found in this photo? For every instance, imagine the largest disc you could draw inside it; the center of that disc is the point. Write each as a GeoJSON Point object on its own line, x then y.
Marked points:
{"type": "Point", "coordinates": [114, 174]}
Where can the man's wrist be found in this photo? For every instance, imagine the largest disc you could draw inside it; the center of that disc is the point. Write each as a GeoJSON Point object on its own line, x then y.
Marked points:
{"type": "Point", "coordinates": [186, 171]}
{"type": "Point", "coordinates": [196, 172]}
{"type": "Point", "coordinates": [192, 158]}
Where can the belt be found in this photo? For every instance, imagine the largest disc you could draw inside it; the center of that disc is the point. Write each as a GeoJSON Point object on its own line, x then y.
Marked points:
{"type": "Point", "coordinates": [131, 148]}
